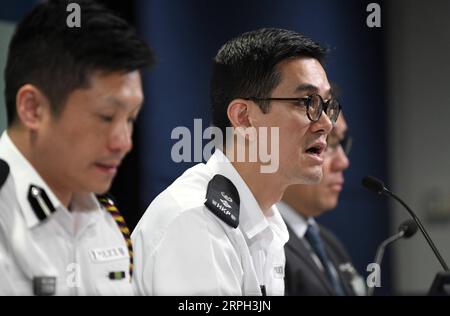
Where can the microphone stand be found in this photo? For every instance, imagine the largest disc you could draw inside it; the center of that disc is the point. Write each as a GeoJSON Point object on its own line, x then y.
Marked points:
{"type": "Point", "coordinates": [380, 253]}
{"type": "Point", "coordinates": [422, 229]}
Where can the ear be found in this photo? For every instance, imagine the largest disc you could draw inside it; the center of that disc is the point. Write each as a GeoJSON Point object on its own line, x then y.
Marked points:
{"type": "Point", "coordinates": [31, 106]}
{"type": "Point", "coordinates": [238, 113]}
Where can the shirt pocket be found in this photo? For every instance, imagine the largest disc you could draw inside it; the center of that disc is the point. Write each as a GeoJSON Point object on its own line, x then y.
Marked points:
{"type": "Point", "coordinates": [113, 278]}
{"type": "Point", "coordinates": [114, 288]}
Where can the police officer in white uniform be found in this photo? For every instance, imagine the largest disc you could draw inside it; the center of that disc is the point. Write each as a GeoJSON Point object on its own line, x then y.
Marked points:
{"type": "Point", "coordinates": [69, 127]}
{"type": "Point", "coordinates": [184, 247]}
{"type": "Point", "coordinates": [49, 249]}
{"type": "Point", "coordinates": [216, 230]}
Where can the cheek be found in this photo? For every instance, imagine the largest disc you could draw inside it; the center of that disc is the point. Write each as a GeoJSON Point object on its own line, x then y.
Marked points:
{"type": "Point", "coordinates": [326, 168]}
{"type": "Point", "coordinates": [292, 130]}
{"type": "Point", "coordinates": [295, 132]}
{"type": "Point", "coordinates": [80, 144]}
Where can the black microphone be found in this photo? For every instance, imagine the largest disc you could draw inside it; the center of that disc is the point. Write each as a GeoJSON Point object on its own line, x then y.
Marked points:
{"type": "Point", "coordinates": [373, 184]}
{"type": "Point", "coordinates": [406, 230]}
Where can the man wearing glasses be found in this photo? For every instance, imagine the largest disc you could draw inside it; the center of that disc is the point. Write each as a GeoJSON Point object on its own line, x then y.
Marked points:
{"type": "Point", "coordinates": [316, 262]}
{"type": "Point", "coordinates": [216, 229]}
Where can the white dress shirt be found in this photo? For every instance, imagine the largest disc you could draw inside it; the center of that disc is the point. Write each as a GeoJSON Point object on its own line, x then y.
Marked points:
{"type": "Point", "coordinates": [79, 248]}
{"type": "Point", "coordinates": [182, 248]}
{"type": "Point", "coordinates": [299, 225]}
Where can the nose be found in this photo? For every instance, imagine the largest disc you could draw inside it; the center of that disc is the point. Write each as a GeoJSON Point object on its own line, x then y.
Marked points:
{"type": "Point", "coordinates": [340, 160]}
{"type": "Point", "coordinates": [120, 138]}
{"type": "Point", "coordinates": [323, 125]}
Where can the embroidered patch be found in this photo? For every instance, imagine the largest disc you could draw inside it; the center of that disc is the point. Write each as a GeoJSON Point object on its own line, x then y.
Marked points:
{"type": "Point", "coordinates": [222, 198]}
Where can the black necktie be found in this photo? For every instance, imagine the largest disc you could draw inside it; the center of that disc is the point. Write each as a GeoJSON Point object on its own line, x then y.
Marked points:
{"type": "Point", "coordinates": [313, 236]}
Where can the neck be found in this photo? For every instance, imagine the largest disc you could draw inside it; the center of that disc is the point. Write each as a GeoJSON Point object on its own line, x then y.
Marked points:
{"type": "Point", "coordinates": [266, 187]}
{"type": "Point", "coordinates": [25, 141]}
{"type": "Point", "coordinates": [300, 205]}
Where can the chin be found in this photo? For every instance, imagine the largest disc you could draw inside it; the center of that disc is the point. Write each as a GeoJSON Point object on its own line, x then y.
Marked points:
{"type": "Point", "coordinates": [330, 204]}
{"type": "Point", "coordinates": [315, 177]}
{"type": "Point", "coordinates": [99, 188]}
{"type": "Point", "coordinates": [312, 176]}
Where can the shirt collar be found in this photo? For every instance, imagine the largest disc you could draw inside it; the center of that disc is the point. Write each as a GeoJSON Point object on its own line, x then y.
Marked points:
{"type": "Point", "coordinates": [298, 223]}
{"type": "Point", "coordinates": [251, 218]}
{"type": "Point", "coordinates": [25, 175]}
{"type": "Point", "coordinates": [85, 211]}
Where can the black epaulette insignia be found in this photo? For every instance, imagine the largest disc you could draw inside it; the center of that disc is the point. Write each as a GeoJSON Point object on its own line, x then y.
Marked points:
{"type": "Point", "coordinates": [4, 172]}
{"type": "Point", "coordinates": [41, 204]}
{"type": "Point", "coordinates": [222, 198]}
{"type": "Point", "coordinates": [108, 203]}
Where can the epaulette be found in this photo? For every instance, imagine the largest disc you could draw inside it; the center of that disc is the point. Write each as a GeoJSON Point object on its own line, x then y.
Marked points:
{"type": "Point", "coordinates": [40, 202]}
{"type": "Point", "coordinates": [222, 198]}
{"type": "Point", "coordinates": [4, 172]}
{"type": "Point", "coordinates": [108, 203]}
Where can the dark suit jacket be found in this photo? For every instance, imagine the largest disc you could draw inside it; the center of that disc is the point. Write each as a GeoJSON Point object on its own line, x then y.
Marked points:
{"type": "Point", "coordinates": [303, 276]}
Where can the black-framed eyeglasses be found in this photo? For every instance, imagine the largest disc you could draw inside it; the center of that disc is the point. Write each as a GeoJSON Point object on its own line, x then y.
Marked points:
{"type": "Point", "coordinates": [346, 143]}
{"type": "Point", "coordinates": [314, 106]}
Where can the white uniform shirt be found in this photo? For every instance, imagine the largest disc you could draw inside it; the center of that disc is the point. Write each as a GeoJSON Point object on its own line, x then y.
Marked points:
{"type": "Point", "coordinates": [80, 248]}
{"type": "Point", "coordinates": [182, 248]}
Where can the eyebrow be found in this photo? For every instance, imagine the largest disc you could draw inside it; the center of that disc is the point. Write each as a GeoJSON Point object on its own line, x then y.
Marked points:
{"type": "Point", "coordinates": [116, 102]}
{"type": "Point", "coordinates": [306, 87]}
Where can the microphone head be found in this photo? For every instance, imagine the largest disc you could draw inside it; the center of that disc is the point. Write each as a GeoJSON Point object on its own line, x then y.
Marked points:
{"type": "Point", "coordinates": [409, 228]}
{"type": "Point", "coordinates": [373, 184]}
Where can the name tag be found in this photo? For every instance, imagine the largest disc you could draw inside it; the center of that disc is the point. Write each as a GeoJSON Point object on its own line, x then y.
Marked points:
{"type": "Point", "coordinates": [108, 254]}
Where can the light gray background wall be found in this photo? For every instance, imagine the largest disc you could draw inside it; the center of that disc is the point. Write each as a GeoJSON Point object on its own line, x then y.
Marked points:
{"type": "Point", "coordinates": [6, 30]}
{"type": "Point", "coordinates": [419, 119]}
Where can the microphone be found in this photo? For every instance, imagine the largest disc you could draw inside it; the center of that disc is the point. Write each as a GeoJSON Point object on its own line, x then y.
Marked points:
{"type": "Point", "coordinates": [373, 184]}
{"type": "Point", "coordinates": [406, 230]}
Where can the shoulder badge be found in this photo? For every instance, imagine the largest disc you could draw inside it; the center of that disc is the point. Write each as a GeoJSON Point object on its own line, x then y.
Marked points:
{"type": "Point", "coordinates": [40, 202]}
{"type": "Point", "coordinates": [108, 203]}
{"type": "Point", "coordinates": [4, 172]}
{"type": "Point", "coordinates": [222, 198]}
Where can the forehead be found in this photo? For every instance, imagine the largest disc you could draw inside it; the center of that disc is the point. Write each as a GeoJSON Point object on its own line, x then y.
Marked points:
{"type": "Point", "coordinates": [303, 74]}
{"type": "Point", "coordinates": [111, 88]}
{"type": "Point", "coordinates": [124, 82]}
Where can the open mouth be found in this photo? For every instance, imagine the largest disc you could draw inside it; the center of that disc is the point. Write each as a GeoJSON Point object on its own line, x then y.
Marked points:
{"type": "Point", "coordinates": [316, 149]}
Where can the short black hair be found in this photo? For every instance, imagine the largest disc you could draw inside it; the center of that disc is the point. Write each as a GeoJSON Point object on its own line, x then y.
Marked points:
{"type": "Point", "coordinates": [58, 59]}
{"type": "Point", "coordinates": [246, 67]}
